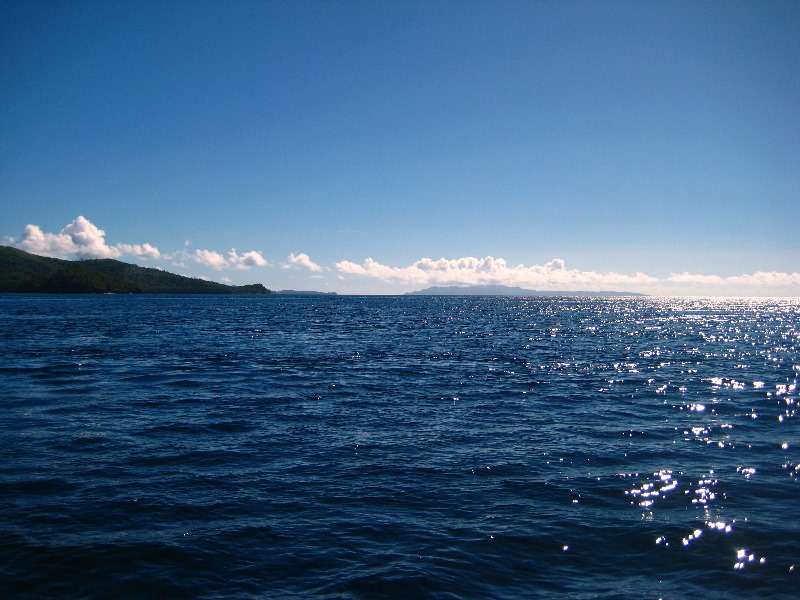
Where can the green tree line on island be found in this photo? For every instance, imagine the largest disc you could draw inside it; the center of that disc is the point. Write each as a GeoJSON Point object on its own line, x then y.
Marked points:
{"type": "Point", "coordinates": [21, 272]}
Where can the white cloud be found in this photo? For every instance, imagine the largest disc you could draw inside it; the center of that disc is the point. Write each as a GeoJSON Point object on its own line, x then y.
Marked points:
{"type": "Point", "coordinates": [89, 240]}
{"type": "Point", "coordinates": [701, 279]}
{"type": "Point", "coordinates": [757, 279]}
{"type": "Point", "coordinates": [490, 270]}
{"type": "Point", "coordinates": [771, 278]}
{"type": "Point", "coordinates": [554, 275]}
{"type": "Point", "coordinates": [217, 261]}
{"type": "Point", "coordinates": [209, 258]}
{"type": "Point", "coordinates": [143, 251]}
{"type": "Point", "coordinates": [247, 260]}
{"type": "Point", "coordinates": [81, 239]}
{"type": "Point", "coordinates": [302, 260]}
{"type": "Point", "coordinates": [35, 241]}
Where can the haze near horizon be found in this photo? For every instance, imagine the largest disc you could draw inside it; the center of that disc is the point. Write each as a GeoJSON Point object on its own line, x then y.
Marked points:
{"type": "Point", "coordinates": [383, 148]}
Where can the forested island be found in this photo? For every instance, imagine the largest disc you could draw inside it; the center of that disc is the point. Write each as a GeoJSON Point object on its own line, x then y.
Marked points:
{"type": "Point", "coordinates": [21, 272]}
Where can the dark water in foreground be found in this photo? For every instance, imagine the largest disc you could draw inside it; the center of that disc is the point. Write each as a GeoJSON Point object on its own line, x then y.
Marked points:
{"type": "Point", "coordinates": [399, 447]}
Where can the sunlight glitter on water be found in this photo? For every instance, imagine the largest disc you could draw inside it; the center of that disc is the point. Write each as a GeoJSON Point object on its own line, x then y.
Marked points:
{"type": "Point", "coordinates": [743, 559]}
{"type": "Point", "coordinates": [375, 433]}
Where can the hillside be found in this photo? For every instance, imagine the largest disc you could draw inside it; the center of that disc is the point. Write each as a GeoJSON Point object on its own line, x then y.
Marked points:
{"type": "Point", "coordinates": [504, 290]}
{"type": "Point", "coordinates": [22, 272]}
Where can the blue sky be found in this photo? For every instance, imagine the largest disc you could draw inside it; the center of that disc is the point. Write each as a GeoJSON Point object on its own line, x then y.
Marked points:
{"type": "Point", "coordinates": [382, 147]}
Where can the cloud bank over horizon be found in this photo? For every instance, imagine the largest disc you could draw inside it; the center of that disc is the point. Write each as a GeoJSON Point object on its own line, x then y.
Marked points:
{"type": "Point", "coordinates": [490, 270]}
{"type": "Point", "coordinates": [555, 275]}
{"type": "Point", "coordinates": [82, 239]}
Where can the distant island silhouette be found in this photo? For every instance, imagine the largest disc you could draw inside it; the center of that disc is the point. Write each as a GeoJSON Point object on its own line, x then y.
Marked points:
{"type": "Point", "coordinates": [303, 293]}
{"type": "Point", "coordinates": [505, 290]}
{"type": "Point", "coordinates": [22, 272]}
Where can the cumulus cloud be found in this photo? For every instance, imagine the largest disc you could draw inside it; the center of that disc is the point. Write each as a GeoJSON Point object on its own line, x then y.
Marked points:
{"type": "Point", "coordinates": [302, 260]}
{"type": "Point", "coordinates": [143, 251]}
{"type": "Point", "coordinates": [35, 241]}
{"type": "Point", "coordinates": [490, 270]}
{"type": "Point", "coordinates": [217, 261]}
{"type": "Point", "coordinates": [771, 278]}
{"type": "Point", "coordinates": [80, 238]}
{"type": "Point", "coordinates": [246, 260]}
{"type": "Point", "coordinates": [83, 239]}
{"type": "Point", "coordinates": [209, 258]}
{"type": "Point", "coordinates": [89, 240]}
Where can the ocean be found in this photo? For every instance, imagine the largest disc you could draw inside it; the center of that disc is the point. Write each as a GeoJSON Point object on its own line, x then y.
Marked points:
{"type": "Point", "coordinates": [399, 447]}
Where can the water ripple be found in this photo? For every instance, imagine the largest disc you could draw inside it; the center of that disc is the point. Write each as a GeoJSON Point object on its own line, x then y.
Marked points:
{"type": "Point", "coordinates": [395, 447]}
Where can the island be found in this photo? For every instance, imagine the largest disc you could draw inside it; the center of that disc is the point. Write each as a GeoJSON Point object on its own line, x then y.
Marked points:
{"type": "Point", "coordinates": [22, 272]}
{"type": "Point", "coordinates": [505, 290]}
{"type": "Point", "coordinates": [304, 293]}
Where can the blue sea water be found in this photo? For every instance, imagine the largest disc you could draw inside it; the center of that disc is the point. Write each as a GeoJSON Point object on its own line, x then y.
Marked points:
{"type": "Point", "coordinates": [399, 447]}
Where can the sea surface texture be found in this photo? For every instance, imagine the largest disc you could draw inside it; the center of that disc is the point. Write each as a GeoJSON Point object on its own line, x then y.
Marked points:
{"type": "Point", "coordinates": [399, 447]}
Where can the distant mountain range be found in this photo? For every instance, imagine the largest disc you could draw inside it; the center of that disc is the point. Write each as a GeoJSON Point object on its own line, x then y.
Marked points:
{"type": "Point", "coordinates": [22, 272]}
{"type": "Point", "coordinates": [504, 290]}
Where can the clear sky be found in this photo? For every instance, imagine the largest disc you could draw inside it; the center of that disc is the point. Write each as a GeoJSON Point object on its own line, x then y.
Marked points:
{"type": "Point", "coordinates": [382, 147]}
